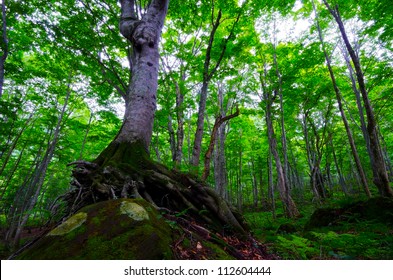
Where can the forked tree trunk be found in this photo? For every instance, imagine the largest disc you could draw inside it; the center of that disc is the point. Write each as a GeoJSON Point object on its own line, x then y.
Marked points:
{"type": "Point", "coordinates": [290, 208]}
{"type": "Point", "coordinates": [219, 121]}
{"type": "Point", "coordinates": [144, 35]}
{"type": "Point", "coordinates": [208, 73]}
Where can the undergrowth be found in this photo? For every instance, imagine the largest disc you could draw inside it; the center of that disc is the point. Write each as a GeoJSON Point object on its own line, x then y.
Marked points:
{"type": "Point", "coordinates": [350, 238]}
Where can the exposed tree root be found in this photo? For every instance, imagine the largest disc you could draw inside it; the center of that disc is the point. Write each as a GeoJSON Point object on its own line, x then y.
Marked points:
{"type": "Point", "coordinates": [125, 171]}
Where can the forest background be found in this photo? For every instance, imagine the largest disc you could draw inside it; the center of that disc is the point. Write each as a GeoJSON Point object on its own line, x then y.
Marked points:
{"type": "Point", "coordinates": [281, 106]}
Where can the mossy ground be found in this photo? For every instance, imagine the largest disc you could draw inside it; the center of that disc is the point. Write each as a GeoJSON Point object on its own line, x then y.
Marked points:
{"type": "Point", "coordinates": [108, 234]}
{"type": "Point", "coordinates": [350, 230]}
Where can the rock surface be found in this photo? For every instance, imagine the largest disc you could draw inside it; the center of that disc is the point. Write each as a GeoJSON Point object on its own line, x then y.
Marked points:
{"type": "Point", "coordinates": [114, 229]}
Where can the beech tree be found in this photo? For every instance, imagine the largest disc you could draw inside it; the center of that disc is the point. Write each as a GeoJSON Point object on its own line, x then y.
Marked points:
{"type": "Point", "coordinates": [124, 168]}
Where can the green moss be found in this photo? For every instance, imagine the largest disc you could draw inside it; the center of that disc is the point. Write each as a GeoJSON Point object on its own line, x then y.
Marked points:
{"type": "Point", "coordinates": [117, 229]}
{"type": "Point", "coordinates": [72, 223]}
{"type": "Point", "coordinates": [125, 156]}
{"type": "Point", "coordinates": [134, 211]}
{"type": "Point", "coordinates": [216, 252]}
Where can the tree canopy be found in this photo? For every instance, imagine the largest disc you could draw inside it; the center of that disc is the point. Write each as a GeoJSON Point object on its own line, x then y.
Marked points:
{"type": "Point", "coordinates": [264, 98]}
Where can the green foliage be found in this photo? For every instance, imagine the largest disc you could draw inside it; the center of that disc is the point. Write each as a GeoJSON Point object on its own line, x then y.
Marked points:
{"type": "Point", "coordinates": [56, 43]}
{"type": "Point", "coordinates": [354, 237]}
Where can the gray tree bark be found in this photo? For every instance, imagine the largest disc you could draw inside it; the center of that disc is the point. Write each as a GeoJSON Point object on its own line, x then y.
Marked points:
{"type": "Point", "coordinates": [144, 35]}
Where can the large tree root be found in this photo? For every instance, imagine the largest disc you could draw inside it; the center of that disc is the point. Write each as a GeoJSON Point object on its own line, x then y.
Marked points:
{"type": "Point", "coordinates": [120, 172]}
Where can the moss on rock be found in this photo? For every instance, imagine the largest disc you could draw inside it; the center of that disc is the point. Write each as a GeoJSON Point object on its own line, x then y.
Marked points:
{"type": "Point", "coordinates": [378, 208]}
{"type": "Point", "coordinates": [115, 229]}
{"type": "Point", "coordinates": [134, 211]}
{"type": "Point", "coordinates": [69, 225]}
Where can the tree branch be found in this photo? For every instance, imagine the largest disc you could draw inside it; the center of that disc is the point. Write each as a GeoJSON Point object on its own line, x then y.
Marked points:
{"type": "Point", "coordinates": [219, 121]}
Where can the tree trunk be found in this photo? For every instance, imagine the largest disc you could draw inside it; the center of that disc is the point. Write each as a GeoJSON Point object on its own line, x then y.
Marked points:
{"type": "Point", "coordinates": [381, 179]}
{"type": "Point", "coordinates": [290, 208]}
{"type": "Point", "coordinates": [271, 184]}
{"type": "Point", "coordinates": [341, 179]}
{"type": "Point", "coordinates": [282, 118]}
{"type": "Point", "coordinates": [220, 171]}
{"type": "Point", "coordinates": [219, 121]}
{"type": "Point", "coordinates": [85, 137]}
{"type": "Point", "coordinates": [40, 172]}
{"type": "Point", "coordinates": [124, 169]}
{"type": "Point", "coordinates": [144, 35]}
{"type": "Point", "coordinates": [355, 154]}
{"type": "Point", "coordinates": [4, 45]}
{"type": "Point", "coordinates": [254, 184]}
{"type": "Point", "coordinates": [180, 125]}
{"type": "Point", "coordinates": [172, 138]}
{"type": "Point", "coordinates": [208, 73]}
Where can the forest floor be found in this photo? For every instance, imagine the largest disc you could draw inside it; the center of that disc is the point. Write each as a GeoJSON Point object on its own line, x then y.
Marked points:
{"type": "Point", "coordinates": [344, 229]}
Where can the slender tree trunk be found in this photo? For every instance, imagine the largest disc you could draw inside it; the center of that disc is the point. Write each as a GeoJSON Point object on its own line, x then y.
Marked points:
{"type": "Point", "coordinates": [240, 179]}
{"type": "Point", "coordinates": [363, 125]}
{"type": "Point", "coordinates": [254, 184]}
{"type": "Point", "coordinates": [282, 118]}
{"type": "Point", "coordinates": [381, 179]}
{"type": "Point", "coordinates": [208, 73]}
{"type": "Point", "coordinates": [341, 179]}
{"type": "Point", "coordinates": [310, 157]}
{"type": "Point", "coordinates": [172, 138]}
{"type": "Point", "coordinates": [355, 154]}
{"type": "Point", "coordinates": [220, 171]}
{"type": "Point", "coordinates": [271, 184]}
{"type": "Point", "coordinates": [4, 45]}
{"type": "Point", "coordinates": [290, 208]}
{"type": "Point", "coordinates": [219, 121]}
{"type": "Point", "coordinates": [180, 124]}
{"type": "Point", "coordinates": [40, 173]}
{"type": "Point", "coordinates": [85, 137]}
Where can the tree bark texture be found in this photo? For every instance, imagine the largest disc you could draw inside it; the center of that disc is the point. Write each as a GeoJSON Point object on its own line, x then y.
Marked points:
{"type": "Point", "coordinates": [144, 35]}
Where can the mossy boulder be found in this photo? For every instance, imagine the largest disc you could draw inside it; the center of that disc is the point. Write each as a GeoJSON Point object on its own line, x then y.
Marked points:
{"type": "Point", "coordinates": [114, 229]}
{"type": "Point", "coordinates": [379, 209]}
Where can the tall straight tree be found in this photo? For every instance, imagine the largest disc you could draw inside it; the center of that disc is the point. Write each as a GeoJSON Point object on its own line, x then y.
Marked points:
{"type": "Point", "coordinates": [3, 44]}
{"type": "Point", "coordinates": [355, 154]}
{"type": "Point", "coordinates": [381, 179]}
{"type": "Point", "coordinates": [269, 96]}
